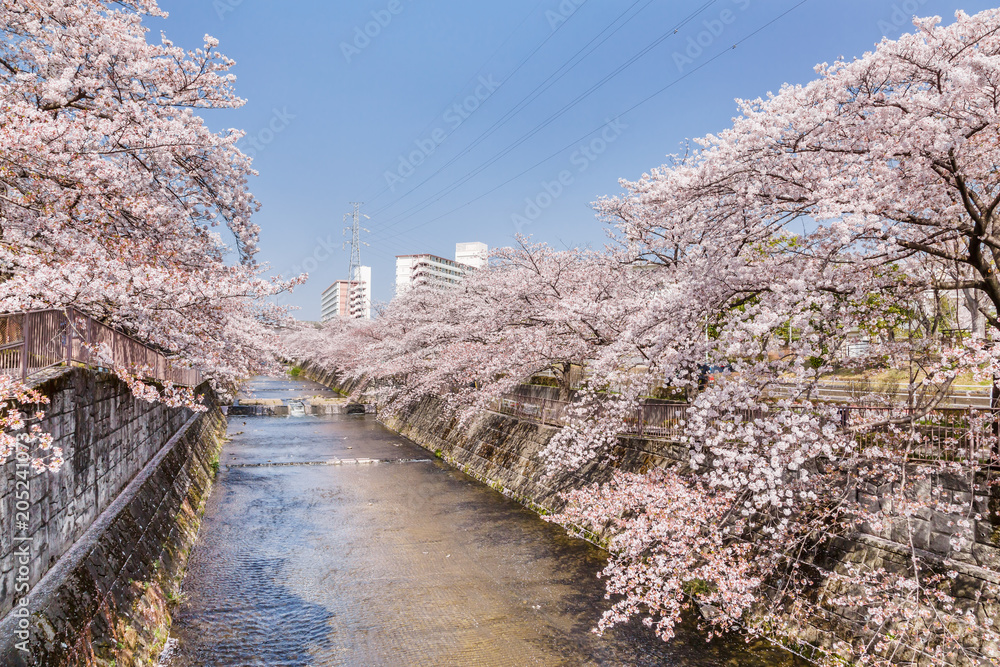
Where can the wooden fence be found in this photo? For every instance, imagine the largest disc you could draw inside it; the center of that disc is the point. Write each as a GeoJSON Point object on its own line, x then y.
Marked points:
{"type": "Point", "coordinates": [34, 341]}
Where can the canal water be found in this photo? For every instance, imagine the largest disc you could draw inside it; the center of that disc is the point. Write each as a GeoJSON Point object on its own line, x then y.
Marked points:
{"type": "Point", "coordinates": [333, 541]}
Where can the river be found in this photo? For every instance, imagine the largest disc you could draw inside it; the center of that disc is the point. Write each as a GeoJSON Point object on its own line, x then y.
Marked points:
{"type": "Point", "coordinates": [309, 557]}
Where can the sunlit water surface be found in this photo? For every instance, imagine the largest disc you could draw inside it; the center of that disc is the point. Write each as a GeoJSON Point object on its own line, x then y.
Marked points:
{"type": "Point", "coordinates": [400, 562]}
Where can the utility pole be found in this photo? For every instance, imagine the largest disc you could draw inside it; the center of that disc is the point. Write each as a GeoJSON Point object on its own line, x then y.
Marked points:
{"type": "Point", "coordinates": [355, 229]}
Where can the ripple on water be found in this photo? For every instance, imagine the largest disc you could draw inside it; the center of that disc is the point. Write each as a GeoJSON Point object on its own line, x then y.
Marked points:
{"type": "Point", "coordinates": [410, 564]}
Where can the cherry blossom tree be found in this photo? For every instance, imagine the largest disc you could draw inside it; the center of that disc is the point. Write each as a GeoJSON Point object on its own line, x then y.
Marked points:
{"type": "Point", "coordinates": [846, 204]}
{"type": "Point", "coordinates": [850, 206]}
{"type": "Point", "coordinates": [19, 437]}
{"type": "Point", "coordinates": [114, 194]}
{"type": "Point", "coordinates": [532, 309]}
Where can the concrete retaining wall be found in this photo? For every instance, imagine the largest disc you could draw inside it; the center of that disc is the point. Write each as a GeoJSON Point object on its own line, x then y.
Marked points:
{"type": "Point", "coordinates": [109, 532]}
{"type": "Point", "coordinates": [505, 452]}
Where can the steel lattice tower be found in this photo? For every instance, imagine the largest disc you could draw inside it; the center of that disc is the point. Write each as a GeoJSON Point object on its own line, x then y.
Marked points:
{"type": "Point", "coordinates": [355, 230]}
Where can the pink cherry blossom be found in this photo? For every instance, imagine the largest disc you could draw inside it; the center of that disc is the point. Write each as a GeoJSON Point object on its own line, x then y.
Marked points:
{"type": "Point", "coordinates": [859, 206]}
{"type": "Point", "coordinates": [115, 197]}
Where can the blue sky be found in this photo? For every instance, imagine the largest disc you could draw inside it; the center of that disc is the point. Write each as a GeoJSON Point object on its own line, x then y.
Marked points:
{"type": "Point", "coordinates": [356, 101]}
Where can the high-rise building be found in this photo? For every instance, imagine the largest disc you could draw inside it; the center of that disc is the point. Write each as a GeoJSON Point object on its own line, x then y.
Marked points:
{"type": "Point", "coordinates": [427, 269]}
{"type": "Point", "coordinates": [361, 293]}
{"type": "Point", "coordinates": [472, 254]}
{"type": "Point", "coordinates": [349, 298]}
{"type": "Point", "coordinates": [336, 300]}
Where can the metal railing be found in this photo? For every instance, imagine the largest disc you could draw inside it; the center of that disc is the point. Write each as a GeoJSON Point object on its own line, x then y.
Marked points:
{"type": "Point", "coordinates": [33, 341]}
{"type": "Point", "coordinates": [947, 434]}
{"type": "Point", "coordinates": [542, 410]}
{"type": "Point", "coordinates": [658, 420]}
{"type": "Point", "coordinates": [854, 391]}
{"type": "Point", "coordinates": [654, 420]}
{"type": "Point", "coordinates": [944, 434]}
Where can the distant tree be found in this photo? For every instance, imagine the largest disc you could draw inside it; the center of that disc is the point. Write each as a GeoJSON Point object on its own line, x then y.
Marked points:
{"type": "Point", "coordinates": [532, 309]}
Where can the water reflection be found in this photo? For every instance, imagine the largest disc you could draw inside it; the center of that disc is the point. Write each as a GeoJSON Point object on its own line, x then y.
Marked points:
{"type": "Point", "coordinates": [404, 563]}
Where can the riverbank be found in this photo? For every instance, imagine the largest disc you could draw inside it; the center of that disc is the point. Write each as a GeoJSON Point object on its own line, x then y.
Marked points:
{"type": "Point", "coordinates": [108, 534]}
{"type": "Point", "coordinates": [504, 452]}
{"type": "Point", "coordinates": [331, 540]}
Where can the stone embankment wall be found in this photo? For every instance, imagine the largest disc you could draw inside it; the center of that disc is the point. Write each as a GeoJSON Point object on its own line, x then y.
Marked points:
{"type": "Point", "coordinates": [109, 533]}
{"type": "Point", "coordinates": [504, 452]}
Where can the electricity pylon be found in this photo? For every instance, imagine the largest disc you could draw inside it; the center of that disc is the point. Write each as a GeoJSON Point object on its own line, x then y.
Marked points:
{"type": "Point", "coordinates": [355, 230]}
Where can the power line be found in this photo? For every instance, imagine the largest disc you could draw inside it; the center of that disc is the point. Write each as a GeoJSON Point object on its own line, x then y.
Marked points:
{"type": "Point", "coordinates": [538, 90]}
{"type": "Point", "coordinates": [480, 70]}
{"type": "Point", "coordinates": [416, 208]}
{"type": "Point", "coordinates": [623, 113]}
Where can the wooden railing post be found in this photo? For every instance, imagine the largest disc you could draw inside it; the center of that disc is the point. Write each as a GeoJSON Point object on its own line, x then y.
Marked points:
{"type": "Point", "coordinates": [24, 347]}
{"type": "Point", "coordinates": [90, 340]}
{"type": "Point", "coordinates": [68, 314]}
{"type": "Point", "coordinates": [972, 433]}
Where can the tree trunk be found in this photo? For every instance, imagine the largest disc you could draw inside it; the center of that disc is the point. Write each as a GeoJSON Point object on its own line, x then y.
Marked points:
{"type": "Point", "coordinates": [565, 380]}
{"type": "Point", "coordinates": [977, 323]}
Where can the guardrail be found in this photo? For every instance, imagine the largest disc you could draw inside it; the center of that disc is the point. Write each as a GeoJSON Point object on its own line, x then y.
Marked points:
{"type": "Point", "coordinates": [947, 434]}
{"type": "Point", "coordinates": [852, 391]}
{"type": "Point", "coordinates": [542, 410]}
{"type": "Point", "coordinates": [33, 341]}
{"type": "Point", "coordinates": [944, 434]}
{"type": "Point", "coordinates": [654, 420]}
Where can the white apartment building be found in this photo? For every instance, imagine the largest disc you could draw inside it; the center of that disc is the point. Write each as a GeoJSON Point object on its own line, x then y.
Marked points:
{"type": "Point", "coordinates": [472, 254]}
{"type": "Point", "coordinates": [349, 298]}
{"type": "Point", "coordinates": [335, 301]}
{"type": "Point", "coordinates": [427, 269]}
{"type": "Point", "coordinates": [361, 294]}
